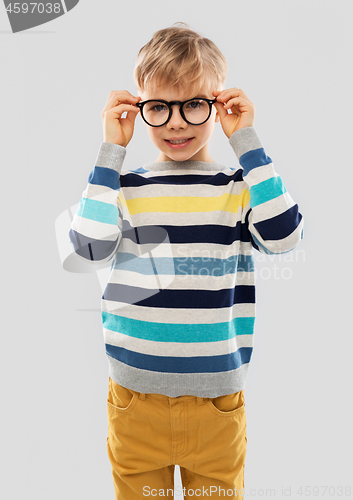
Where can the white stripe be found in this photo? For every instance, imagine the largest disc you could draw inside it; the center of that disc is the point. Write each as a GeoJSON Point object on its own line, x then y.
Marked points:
{"type": "Point", "coordinates": [157, 190]}
{"type": "Point", "coordinates": [197, 281]}
{"type": "Point", "coordinates": [101, 230]}
{"type": "Point", "coordinates": [260, 174]}
{"type": "Point", "coordinates": [101, 193]}
{"type": "Point", "coordinates": [218, 217]}
{"type": "Point", "coordinates": [177, 349]}
{"type": "Point", "coordinates": [186, 251]}
{"type": "Point", "coordinates": [271, 208]}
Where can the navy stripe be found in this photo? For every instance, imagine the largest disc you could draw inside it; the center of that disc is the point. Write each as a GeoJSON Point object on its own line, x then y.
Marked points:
{"type": "Point", "coordinates": [220, 179]}
{"type": "Point", "coordinates": [180, 299]}
{"type": "Point", "coordinates": [280, 226]}
{"type": "Point", "coordinates": [102, 176]}
{"type": "Point", "coordinates": [204, 233]}
{"type": "Point", "coordinates": [171, 364]}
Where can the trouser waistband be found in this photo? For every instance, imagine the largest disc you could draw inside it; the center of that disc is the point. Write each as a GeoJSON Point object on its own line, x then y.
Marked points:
{"type": "Point", "coordinates": [200, 401]}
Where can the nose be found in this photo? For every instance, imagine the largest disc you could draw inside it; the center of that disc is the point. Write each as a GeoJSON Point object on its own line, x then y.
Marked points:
{"type": "Point", "coordinates": [176, 120]}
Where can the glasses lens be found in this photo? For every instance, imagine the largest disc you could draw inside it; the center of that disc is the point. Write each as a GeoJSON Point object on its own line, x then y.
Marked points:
{"type": "Point", "coordinates": [155, 112]}
{"type": "Point", "coordinates": [196, 111]}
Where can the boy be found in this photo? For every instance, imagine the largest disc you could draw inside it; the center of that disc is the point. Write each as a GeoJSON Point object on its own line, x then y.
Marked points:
{"type": "Point", "coordinates": [178, 311]}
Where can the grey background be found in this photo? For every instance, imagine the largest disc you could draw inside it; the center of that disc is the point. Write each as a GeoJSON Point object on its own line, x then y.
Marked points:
{"type": "Point", "coordinates": [294, 61]}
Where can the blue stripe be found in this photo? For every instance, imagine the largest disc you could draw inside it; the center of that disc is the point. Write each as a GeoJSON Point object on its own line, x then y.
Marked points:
{"type": "Point", "coordinates": [180, 299]}
{"type": "Point", "coordinates": [280, 226]}
{"type": "Point", "coordinates": [178, 332]}
{"type": "Point", "coordinates": [171, 364]}
{"type": "Point", "coordinates": [185, 265]}
{"type": "Point", "coordinates": [253, 159]}
{"type": "Point", "coordinates": [98, 211]}
{"type": "Point", "coordinates": [103, 176]}
{"type": "Point", "coordinates": [266, 191]}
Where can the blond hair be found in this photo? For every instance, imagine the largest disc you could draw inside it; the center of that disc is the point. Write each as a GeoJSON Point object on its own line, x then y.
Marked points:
{"type": "Point", "coordinates": [180, 57]}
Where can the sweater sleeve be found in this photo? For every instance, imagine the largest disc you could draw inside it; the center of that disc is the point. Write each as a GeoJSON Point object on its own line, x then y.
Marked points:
{"type": "Point", "coordinates": [272, 217]}
{"type": "Point", "coordinates": [96, 228]}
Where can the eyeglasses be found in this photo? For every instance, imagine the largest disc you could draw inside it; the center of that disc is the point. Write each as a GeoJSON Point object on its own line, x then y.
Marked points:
{"type": "Point", "coordinates": [157, 113]}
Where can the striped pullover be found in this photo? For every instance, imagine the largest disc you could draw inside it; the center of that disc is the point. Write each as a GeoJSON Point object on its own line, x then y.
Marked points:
{"type": "Point", "coordinates": [178, 310]}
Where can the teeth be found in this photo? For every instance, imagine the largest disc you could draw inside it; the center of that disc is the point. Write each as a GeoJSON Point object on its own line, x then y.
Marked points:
{"type": "Point", "coordinates": [179, 142]}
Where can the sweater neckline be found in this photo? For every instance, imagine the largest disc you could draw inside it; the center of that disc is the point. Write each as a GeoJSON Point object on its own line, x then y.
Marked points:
{"type": "Point", "coordinates": [183, 165]}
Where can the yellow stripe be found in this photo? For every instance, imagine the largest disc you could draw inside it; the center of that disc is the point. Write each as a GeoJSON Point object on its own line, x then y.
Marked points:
{"type": "Point", "coordinates": [185, 204]}
{"type": "Point", "coordinates": [121, 199]}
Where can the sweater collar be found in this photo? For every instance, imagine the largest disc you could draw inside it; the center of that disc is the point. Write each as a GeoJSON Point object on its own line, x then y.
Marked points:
{"type": "Point", "coordinates": [184, 165]}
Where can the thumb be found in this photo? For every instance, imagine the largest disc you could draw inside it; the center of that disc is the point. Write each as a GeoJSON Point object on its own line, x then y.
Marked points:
{"type": "Point", "coordinates": [221, 111]}
{"type": "Point", "coordinates": [132, 113]}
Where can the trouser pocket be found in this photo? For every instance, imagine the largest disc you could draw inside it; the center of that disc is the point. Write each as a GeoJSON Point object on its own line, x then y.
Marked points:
{"type": "Point", "coordinates": [228, 405]}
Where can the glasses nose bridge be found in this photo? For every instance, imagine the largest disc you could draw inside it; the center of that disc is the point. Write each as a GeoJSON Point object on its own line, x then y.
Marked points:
{"type": "Point", "coordinates": [179, 115]}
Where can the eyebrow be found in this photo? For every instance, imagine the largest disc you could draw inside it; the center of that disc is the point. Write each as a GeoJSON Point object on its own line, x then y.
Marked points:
{"type": "Point", "coordinates": [195, 97]}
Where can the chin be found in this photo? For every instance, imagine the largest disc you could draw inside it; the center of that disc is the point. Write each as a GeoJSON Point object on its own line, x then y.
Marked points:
{"type": "Point", "coordinates": [181, 156]}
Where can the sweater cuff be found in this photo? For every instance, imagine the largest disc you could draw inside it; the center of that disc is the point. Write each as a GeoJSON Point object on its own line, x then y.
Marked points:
{"type": "Point", "coordinates": [244, 140]}
{"type": "Point", "coordinates": [111, 155]}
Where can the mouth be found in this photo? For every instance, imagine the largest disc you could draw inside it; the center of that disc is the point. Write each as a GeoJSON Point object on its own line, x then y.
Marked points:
{"type": "Point", "coordinates": [182, 142]}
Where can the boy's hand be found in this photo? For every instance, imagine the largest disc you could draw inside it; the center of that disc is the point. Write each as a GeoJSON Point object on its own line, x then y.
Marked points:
{"type": "Point", "coordinates": [116, 129]}
{"type": "Point", "coordinates": [242, 110]}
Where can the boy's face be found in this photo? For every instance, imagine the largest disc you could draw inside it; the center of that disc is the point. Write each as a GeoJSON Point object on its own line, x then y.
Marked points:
{"type": "Point", "coordinates": [177, 128]}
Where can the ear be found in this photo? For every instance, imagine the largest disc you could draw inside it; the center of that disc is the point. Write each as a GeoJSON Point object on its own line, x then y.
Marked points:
{"type": "Point", "coordinates": [217, 119]}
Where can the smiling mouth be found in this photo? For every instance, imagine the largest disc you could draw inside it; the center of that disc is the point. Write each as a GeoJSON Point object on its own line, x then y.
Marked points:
{"type": "Point", "coordinates": [179, 141]}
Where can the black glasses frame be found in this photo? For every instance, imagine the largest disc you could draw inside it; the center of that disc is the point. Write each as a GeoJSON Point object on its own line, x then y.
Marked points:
{"type": "Point", "coordinates": [181, 104]}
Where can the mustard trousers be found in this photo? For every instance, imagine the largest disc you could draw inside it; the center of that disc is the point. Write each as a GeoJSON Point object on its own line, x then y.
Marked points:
{"type": "Point", "coordinates": [148, 434]}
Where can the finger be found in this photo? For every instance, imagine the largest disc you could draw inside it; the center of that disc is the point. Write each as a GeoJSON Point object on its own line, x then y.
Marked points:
{"type": "Point", "coordinates": [117, 96]}
{"type": "Point", "coordinates": [237, 101]}
{"type": "Point", "coordinates": [122, 92]}
{"type": "Point", "coordinates": [119, 99]}
{"type": "Point", "coordinates": [225, 95]}
{"type": "Point", "coordinates": [115, 92]}
{"type": "Point", "coordinates": [117, 111]}
{"type": "Point", "coordinates": [232, 102]}
{"type": "Point", "coordinates": [235, 92]}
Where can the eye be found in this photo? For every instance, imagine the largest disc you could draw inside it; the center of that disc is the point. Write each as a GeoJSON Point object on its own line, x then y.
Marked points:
{"type": "Point", "coordinates": [159, 107]}
{"type": "Point", "coordinates": [197, 104]}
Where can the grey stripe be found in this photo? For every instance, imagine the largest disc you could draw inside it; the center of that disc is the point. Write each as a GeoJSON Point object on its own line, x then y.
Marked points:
{"type": "Point", "coordinates": [244, 140]}
{"type": "Point", "coordinates": [111, 156]}
{"type": "Point", "coordinates": [204, 385]}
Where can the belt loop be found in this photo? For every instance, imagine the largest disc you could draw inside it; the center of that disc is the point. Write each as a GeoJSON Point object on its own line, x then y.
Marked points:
{"type": "Point", "coordinates": [142, 396]}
